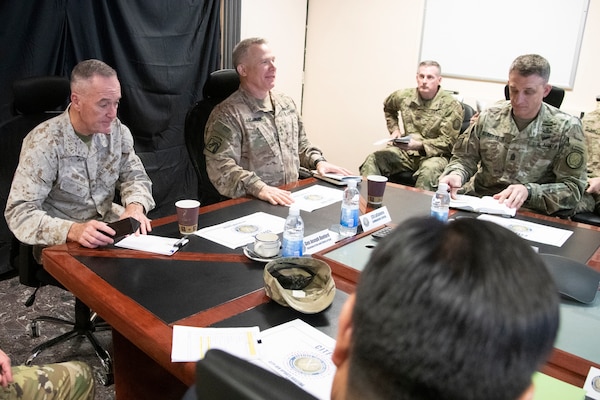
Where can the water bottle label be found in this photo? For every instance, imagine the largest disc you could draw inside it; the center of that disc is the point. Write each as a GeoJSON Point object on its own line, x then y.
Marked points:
{"type": "Point", "coordinates": [349, 217]}
{"type": "Point", "coordinates": [292, 248]}
{"type": "Point", "coordinates": [442, 215]}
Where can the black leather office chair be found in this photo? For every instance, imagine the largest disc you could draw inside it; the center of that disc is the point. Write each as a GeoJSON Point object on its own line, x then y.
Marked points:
{"type": "Point", "coordinates": [407, 178]}
{"type": "Point", "coordinates": [221, 375]}
{"type": "Point", "coordinates": [554, 98]}
{"type": "Point", "coordinates": [219, 85]}
{"type": "Point", "coordinates": [36, 100]}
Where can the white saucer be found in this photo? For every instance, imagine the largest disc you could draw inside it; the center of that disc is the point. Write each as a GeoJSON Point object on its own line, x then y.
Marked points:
{"type": "Point", "coordinates": [249, 252]}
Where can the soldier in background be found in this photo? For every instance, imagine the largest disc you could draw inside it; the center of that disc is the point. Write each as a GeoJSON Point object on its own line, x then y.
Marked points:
{"type": "Point", "coordinates": [432, 118]}
{"type": "Point", "coordinates": [69, 380]}
{"type": "Point", "coordinates": [523, 151]}
{"type": "Point", "coordinates": [255, 139]}
{"type": "Point", "coordinates": [591, 129]}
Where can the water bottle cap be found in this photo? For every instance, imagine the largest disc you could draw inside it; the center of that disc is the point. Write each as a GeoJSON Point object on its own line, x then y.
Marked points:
{"type": "Point", "coordinates": [351, 183]}
{"type": "Point", "coordinates": [294, 210]}
{"type": "Point", "coordinates": [443, 187]}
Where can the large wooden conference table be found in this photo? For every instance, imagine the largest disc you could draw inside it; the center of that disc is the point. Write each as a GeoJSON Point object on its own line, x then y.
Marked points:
{"type": "Point", "coordinates": [142, 295]}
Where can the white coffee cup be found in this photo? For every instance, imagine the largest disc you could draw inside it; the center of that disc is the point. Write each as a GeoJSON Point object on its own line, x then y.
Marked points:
{"type": "Point", "coordinates": [267, 244]}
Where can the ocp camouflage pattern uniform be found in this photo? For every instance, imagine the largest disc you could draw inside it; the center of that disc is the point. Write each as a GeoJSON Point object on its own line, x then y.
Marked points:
{"type": "Point", "coordinates": [251, 143]}
{"type": "Point", "coordinates": [69, 380]}
{"type": "Point", "coordinates": [61, 179]}
{"type": "Point", "coordinates": [549, 154]}
{"type": "Point", "coordinates": [435, 122]}
{"type": "Point", "coordinates": [591, 129]}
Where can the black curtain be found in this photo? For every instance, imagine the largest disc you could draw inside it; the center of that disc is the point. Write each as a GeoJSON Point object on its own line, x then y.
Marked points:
{"type": "Point", "coordinates": [162, 50]}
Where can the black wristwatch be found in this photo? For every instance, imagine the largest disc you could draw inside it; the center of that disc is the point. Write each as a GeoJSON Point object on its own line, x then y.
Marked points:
{"type": "Point", "coordinates": [318, 160]}
{"type": "Point", "coordinates": [528, 187]}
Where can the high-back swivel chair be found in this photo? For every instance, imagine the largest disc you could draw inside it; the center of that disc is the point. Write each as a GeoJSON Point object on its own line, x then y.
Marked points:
{"type": "Point", "coordinates": [554, 98]}
{"type": "Point", "coordinates": [36, 100]}
{"type": "Point", "coordinates": [219, 85]}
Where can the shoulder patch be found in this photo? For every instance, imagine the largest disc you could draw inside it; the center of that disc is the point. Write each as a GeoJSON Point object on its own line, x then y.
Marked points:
{"type": "Point", "coordinates": [456, 124]}
{"type": "Point", "coordinates": [575, 159]}
{"type": "Point", "coordinates": [214, 144]}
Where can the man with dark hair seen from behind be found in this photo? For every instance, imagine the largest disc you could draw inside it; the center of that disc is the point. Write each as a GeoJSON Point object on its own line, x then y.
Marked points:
{"type": "Point", "coordinates": [255, 139]}
{"type": "Point", "coordinates": [431, 117]}
{"type": "Point", "coordinates": [440, 312]}
{"type": "Point", "coordinates": [71, 166]}
{"type": "Point", "coordinates": [522, 151]}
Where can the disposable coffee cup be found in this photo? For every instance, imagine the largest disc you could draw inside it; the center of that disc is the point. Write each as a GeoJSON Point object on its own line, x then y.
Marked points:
{"type": "Point", "coordinates": [375, 189]}
{"type": "Point", "coordinates": [267, 244]}
{"type": "Point", "coordinates": [187, 216]}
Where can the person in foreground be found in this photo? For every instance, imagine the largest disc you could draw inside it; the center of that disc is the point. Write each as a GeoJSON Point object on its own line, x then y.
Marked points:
{"type": "Point", "coordinates": [255, 139]}
{"type": "Point", "coordinates": [432, 118]}
{"type": "Point", "coordinates": [69, 380]}
{"type": "Point", "coordinates": [71, 166]}
{"type": "Point", "coordinates": [523, 151]}
{"type": "Point", "coordinates": [464, 310]}
{"type": "Point", "coordinates": [440, 312]}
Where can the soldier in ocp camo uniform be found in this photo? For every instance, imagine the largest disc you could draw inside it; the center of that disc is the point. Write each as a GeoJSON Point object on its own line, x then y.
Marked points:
{"type": "Point", "coordinates": [62, 381]}
{"type": "Point", "coordinates": [431, 117]}
{"type": "Point", "coordinates": [523, 151]}
{"type": "Point", "coordinates": [255, 139]}
{"type": "Point", "coordinates": [591, 129]}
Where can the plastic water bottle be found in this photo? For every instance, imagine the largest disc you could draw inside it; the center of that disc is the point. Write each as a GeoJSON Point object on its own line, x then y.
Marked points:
{"type": "Point", "coordinates": [349, 214]}
{"type": "Point", "coordinates": [440, 203]}
{"type": "Point", "coordinates": [293, 234]}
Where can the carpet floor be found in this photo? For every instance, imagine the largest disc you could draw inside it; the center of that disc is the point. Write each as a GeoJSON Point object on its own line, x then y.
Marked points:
{"type": "Point", "coordinates": [15, 328]}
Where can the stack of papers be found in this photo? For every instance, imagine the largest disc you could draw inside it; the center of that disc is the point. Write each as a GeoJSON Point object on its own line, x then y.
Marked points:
{"type": "Point", "coordinates": [315, 197]}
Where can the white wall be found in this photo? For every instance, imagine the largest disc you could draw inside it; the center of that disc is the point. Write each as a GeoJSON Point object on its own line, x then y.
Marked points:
{"type": "Point", "coordinates": [358, 52]}
{"type": "Point", "coordinates": [283, 24]}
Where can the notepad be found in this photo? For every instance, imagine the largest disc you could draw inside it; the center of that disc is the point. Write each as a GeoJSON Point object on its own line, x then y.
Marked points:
{"type": "Point", "coordinates": [484, 205]}
{"type": "Point", "coordinates": [337, 179]}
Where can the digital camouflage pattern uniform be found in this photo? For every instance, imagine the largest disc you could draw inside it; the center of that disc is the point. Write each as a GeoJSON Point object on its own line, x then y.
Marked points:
{"type": "Point", "coordinates": [249, 146]}
{"type": "Point", "coordinates": [435, 122]}
{"type": "Point", "coordinates": [549, 154]}
{"type": "Point", "coordinates": [60, 179]}
{"type": "Point", "coordinates": [70, 380]}
{"type": "Point", "coordinates": [591, 129]}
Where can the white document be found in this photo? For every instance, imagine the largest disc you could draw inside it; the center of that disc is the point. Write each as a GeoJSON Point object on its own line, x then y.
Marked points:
{"type": "Point", "coordinates": [532, 231]}
{"type": "Point", "coordinates": [485, 204]}
{"type": "Point", "coordinates": [302, 354]}
{"type": "Point", "coordinates": [190, 343]}
{"type": "Point", "coordinates": [315, 197]}
{"type": "Point", "coordinates": [241, 231]}
{"type": "Point", "coordinates": [153, 244]}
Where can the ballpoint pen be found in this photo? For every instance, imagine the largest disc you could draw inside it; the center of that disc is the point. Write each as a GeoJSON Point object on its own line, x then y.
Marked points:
{"type": "Point", "coordinates": [181, 242]}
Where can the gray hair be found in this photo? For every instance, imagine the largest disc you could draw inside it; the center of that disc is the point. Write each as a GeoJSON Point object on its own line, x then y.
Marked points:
{"type": "Point", "coordinates": [88, 68]}
{"type": "Point", "coordinates": [531, 64]}
{"type": "Point", "coordinates": [430, 63]}
{"type": "Point", "coordinates": [241, 49]}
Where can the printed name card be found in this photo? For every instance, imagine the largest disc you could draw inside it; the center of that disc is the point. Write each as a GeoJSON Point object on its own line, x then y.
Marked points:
{"type": "Point", "coordinates": [375, 218]}
{"type": "Point", "coordinates": [319, 241]}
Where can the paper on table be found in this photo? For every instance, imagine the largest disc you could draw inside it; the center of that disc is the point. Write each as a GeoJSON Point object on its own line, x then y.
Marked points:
{"type": "Point", "coordinates": [532, 231]}
{"type": "Point", "coordinates": [315, 197]}
{"type": "Point", "coordinates": [485, 204]}
{"type": "Point", "coordinates": [241, 231]}
{"type": "Point", "coordinates": [549, 388]}
{"type": "Point", "coordinates": [301, 353]}
{"type": "Point", "coordinates": [149, 243]}
{"type": "Point", "coordinates": [190, 343]}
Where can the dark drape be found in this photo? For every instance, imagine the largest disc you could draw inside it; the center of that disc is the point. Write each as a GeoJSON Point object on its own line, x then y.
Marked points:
{"type": "Point", "coordinates": [163, 51]}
